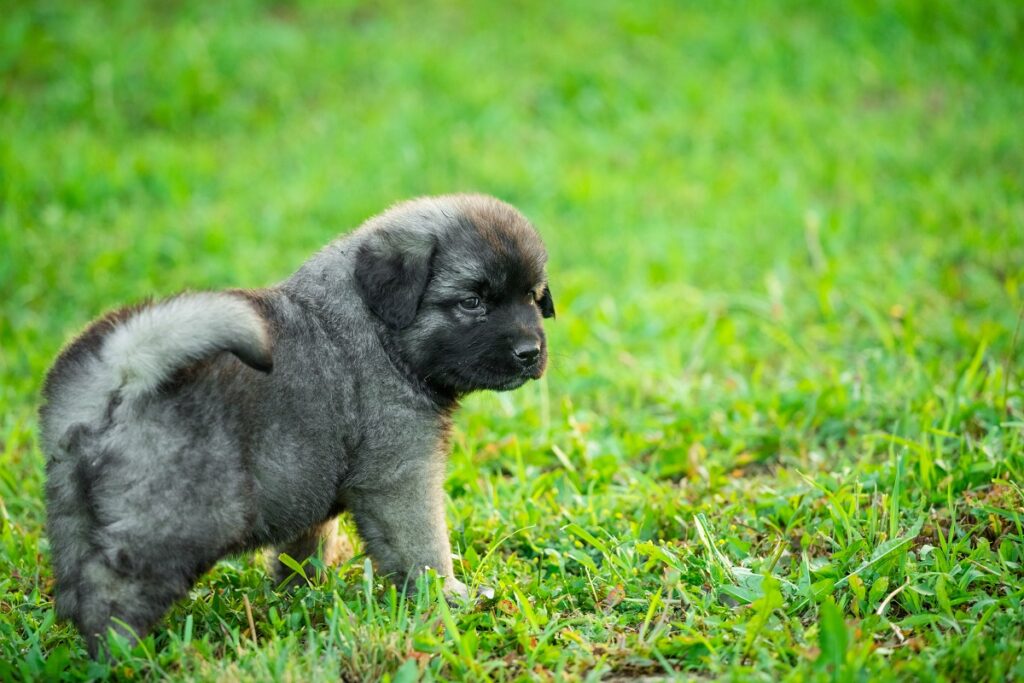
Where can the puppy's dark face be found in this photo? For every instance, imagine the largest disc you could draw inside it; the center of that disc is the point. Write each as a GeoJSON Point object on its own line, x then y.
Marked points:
{"type": "Point", "coordinates": [476, 294]}
{"type": "Point", "coordinates": [479, 324]}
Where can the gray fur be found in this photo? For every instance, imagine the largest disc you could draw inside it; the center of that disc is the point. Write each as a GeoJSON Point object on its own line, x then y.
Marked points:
{"type": "Point", "coordinates": [180, 432]}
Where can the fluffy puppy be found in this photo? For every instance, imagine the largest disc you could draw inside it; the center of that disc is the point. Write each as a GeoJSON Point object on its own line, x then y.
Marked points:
{"type": "Point", "coordinates": [182, 431]}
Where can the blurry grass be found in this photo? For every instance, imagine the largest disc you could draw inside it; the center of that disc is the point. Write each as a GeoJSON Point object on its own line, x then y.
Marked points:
{"type": "Point", "coordinates": [781, 437]}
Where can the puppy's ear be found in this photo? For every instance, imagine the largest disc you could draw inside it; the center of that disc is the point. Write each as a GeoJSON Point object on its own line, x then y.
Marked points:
{"type": "Point", "coordinates": [546, 303]}
{"type": "Point", "coordinates": [392, 270]}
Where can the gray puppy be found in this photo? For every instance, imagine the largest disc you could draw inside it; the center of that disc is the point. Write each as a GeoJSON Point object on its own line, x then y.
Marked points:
{"type": "Point", "coordinates": [182, 431]}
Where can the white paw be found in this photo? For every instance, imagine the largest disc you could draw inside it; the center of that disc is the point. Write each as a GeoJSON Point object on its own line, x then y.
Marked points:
{"type": "Point", "coordinates": [455, 590]}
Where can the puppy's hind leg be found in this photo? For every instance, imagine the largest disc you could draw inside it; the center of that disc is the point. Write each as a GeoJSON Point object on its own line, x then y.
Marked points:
{"type": "Point", "coordinates": [333, 548]}
{"type": "Point", "coordinates": [115, 596]}
{"type": "Point", "coordinates": [69, 526]}
{"type": "Point", "coordinates": [98, 583]}
{"type": "Point", "coordinates": [124, 547]}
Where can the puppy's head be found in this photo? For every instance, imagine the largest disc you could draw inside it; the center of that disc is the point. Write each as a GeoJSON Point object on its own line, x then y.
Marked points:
{"type": "Point", "coordinates": [459, 283]}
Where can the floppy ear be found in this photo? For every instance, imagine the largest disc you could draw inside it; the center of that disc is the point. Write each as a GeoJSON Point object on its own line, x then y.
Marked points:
{"type": "Point", "coordinates": [391, 273]}
{"type": "Point", "coordinates": [546, 303]}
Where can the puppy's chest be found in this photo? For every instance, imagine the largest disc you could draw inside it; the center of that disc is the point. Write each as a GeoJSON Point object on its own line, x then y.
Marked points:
{"type": "Point", "coordinates": [390, 449]}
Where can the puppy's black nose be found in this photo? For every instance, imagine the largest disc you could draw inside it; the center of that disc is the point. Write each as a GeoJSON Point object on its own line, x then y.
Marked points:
{"type": "Point", "coordinates": [526, 350]}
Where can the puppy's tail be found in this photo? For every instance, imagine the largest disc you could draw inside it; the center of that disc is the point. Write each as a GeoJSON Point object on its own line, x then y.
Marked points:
{"type": "Point", "coordinates": [144, 349]}
{"type": "Point", "coordinates": [131, 352]}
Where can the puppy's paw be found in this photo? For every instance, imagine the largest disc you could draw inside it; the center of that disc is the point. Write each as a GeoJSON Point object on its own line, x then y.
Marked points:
{"type": "Point", "coordinates": [458, 593]}
{"type": "Point", "coordinates": [455, 592]}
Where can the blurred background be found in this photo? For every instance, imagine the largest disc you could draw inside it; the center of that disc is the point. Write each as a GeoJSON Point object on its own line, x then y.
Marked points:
{"type": "Point", "coordinates": [775, 227]}
{"type": "Point", "coordinates": [824, 165]}
{"type": "Point", "coordinates": [791, 215]}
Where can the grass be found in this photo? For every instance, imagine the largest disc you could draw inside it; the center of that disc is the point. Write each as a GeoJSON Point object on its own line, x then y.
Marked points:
{"type": "Point", "coordinates": [781, 437]}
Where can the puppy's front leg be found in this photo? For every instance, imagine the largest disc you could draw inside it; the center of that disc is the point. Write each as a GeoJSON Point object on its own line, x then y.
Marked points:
{"type": "Point", "coordinates": [404, 529]}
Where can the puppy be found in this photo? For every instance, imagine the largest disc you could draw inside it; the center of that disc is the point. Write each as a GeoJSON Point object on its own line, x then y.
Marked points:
{"type": "Point", "coordinates": [182, 431]}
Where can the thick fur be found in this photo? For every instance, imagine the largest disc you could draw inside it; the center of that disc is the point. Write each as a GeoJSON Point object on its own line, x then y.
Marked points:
{"type": "Point", "coordinates": [182, 431]}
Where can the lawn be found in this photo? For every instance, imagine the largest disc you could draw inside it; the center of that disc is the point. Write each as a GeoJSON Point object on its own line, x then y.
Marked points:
{"type": "Point", "coordinates": [782, 434]}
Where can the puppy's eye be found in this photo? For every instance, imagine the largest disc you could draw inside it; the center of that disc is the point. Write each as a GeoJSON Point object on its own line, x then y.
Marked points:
{"type": "Point", "coordinates": [470, 303]}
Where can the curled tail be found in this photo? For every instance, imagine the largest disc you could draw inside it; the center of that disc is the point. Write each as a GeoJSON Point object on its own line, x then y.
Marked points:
{"type": "Point", "coordinates": [145, 349]}
{"type": "Point", "coordinates": [131, 352]}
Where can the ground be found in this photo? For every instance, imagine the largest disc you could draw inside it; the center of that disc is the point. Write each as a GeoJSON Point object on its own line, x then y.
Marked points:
{"type": "Point", "coordinates": [781, 435]}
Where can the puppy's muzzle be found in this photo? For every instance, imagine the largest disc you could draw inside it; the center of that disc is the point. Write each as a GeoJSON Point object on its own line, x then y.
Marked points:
{"type": "Point", "coordinates": [527, 351]}
{"type": "Point", "coordinates": [528, 355]}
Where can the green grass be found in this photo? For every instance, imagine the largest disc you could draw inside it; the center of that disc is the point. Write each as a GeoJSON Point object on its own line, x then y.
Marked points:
{"type": "Point", "coordinates": [782, 437]}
